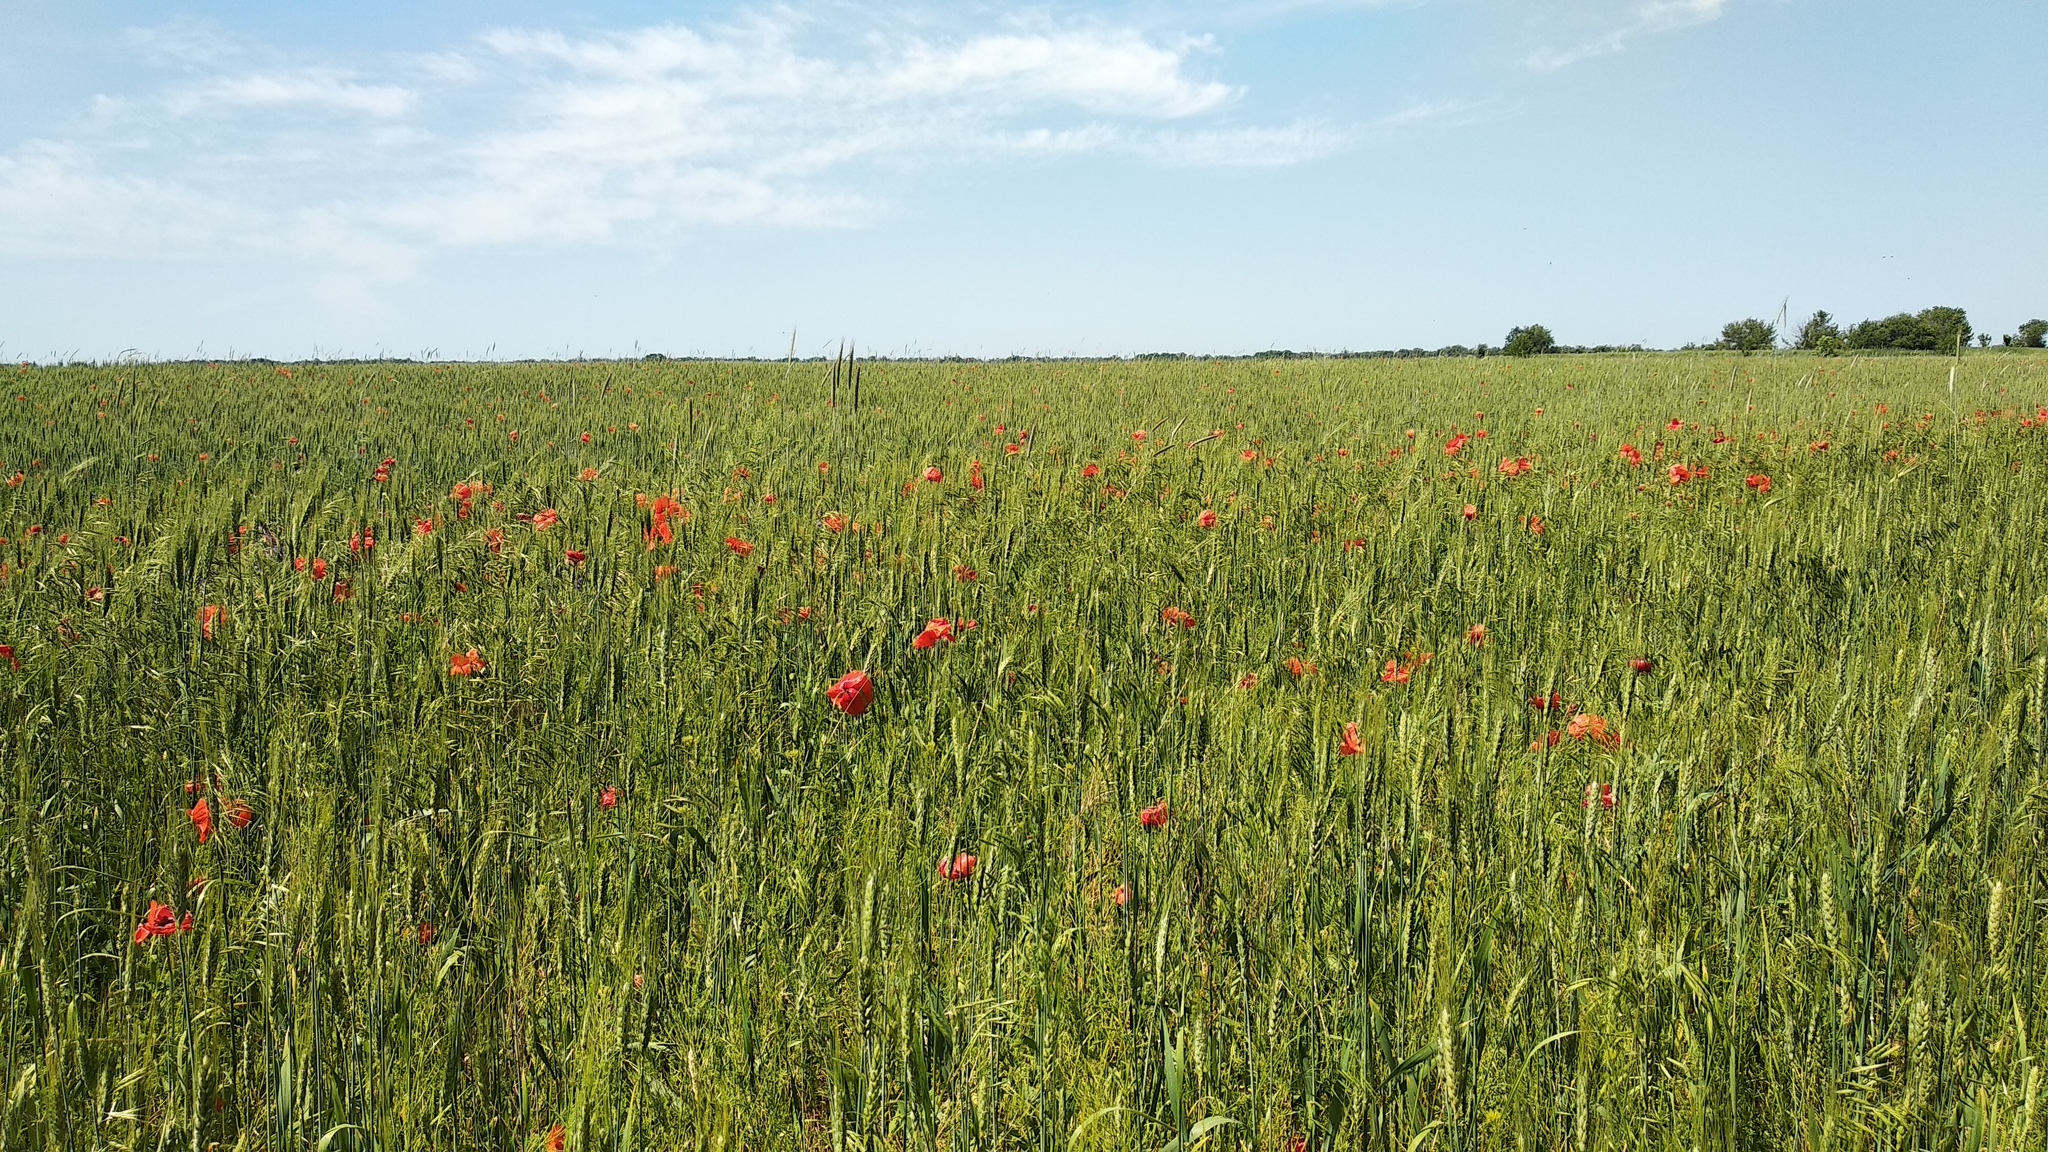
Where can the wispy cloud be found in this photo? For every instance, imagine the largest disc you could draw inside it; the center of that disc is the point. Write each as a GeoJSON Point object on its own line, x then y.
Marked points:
{"type": "Point", "coordinates": [1642, 19]}
{"type": "Point", "coordinates": [317, 90]}
{"type": "Point", "coordinates": [529, 136]}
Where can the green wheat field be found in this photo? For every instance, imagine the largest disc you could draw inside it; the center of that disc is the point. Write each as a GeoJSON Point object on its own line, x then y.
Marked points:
{"type": "Point", "coordinates": [1573, 752]}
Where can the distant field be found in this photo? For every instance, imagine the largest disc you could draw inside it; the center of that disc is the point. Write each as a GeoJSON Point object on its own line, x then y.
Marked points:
{"type": "Point", "coordinates": [1607, 752]}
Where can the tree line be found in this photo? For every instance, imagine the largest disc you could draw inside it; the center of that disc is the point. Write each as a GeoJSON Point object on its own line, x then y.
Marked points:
{"type": "Point", "coordinates": [1937, 329]}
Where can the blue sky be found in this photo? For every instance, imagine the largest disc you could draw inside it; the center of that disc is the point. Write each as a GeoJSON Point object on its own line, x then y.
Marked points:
{"type": "Point", "coordinates": [292, 179]}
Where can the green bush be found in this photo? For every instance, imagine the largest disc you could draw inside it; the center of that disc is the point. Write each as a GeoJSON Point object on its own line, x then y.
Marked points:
{"type": "Point", "coordinates": [1533, 340]}
{"type": "Point", "coordinates": [1930, 330]}
{"type": "Point", "coordinates": [1818, 328]}
{"type": "Point", "coordinates": [1746, 336]}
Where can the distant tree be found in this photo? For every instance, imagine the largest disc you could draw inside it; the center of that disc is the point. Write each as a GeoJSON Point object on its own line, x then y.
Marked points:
{"type": "Point", "coordinates": [1930, 330]}
{"type": "Point", "coordinates": [1746, 336]}
{"type": "Point", "coordinates": [1533, 340]}
{"type": "Point", "coordinates": [1947, 328]}
{"type": "Point", "coordinates": [1899, 331]}
{"type": "Point", "coordinates": [1818, 327]}
{"type": "Point", "coordinates": [2033, 334]}
{"type": "Point", "coordinates": [1983, 339]}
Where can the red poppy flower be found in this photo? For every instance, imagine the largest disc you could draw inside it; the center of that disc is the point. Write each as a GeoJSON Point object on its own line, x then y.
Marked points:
{"type": "Point", "coordinates": [933, 476]}
{"type": "Point", "coordinates": [465, 663]}
{"type": "Point", "coordinates": [423, 525]}
{"type": "Point", "coordinates": [1675, 425]}
{"type": "Point", "coordinates": [1760, 484]}
{"type": "Point", "coordinates": [1247, 682]}
{"type": "Point", "coordinates": [1396, 673]}
{"type": "Point", "coordinates": [1090, 471]}
{"type": "Point", "coordinates": [608, 799]}
{"type": "Point", "coordinates": [1299, 668]}
{"type": "Point", "coordinates": [1349, 745]}
{"type": "Point", "coordinates": [1516, 466]}
{"type": "Point", "coordinates": [545, 519]}
{"type": "Point", "coordinates": [662, 509]}
{"type": "Point", "coordinates": [494, 539]}
{"type": "Point", "coordinates": [960, 867]}
{"type": "Point", "coordinates": [1641, 665]}
{"type": "Point", "coordinates": [425, 933]}
{"type": "Point", "coordinates": [1549, 740]}
{"type": "Point", "coordinates": [1630, 454]}
{"type": "Point", "coordinates": [1180, 616]}
{"type": "Point", "coordinates": [238, 813]}
{"type": "Point", "coordinates": [934, 632]}
{"type": "Point", "coordinates": [1139, 435]}
{"type": "Point", "coordinates": [1603, 792]}
{"type": "Point", "coordinates": [1122, 895]}
{"type": "Point", "coordinates": [1475, 635]}
{"type": "Point", "coordinates": [575, 558]}
{"type": "Point", "coordinates": [209, 615]}
{"type": "Point", "coordinates": [1535, 524]}
{"type": "Point", "coordinates": [739, 547]}
{"type": "Point", "coordinates": [160, 920]}
{"type": "Point", "coordinates": [319, 568]}
{"type": "Point", "coordinates": [202, 819]}
{"type": "Point", "coordinates": [852, 693]}
{"type": "Point", "coordinates": [1552, 703]}
{"type": "Point", "coordinates": [1207, 519]}
{"type": "Point", "coordinates": [1153, 817]}
{"type": "Point", "coordinates": [1680, 474]}
{"type": "Point", "coordinates": [7, 654]}
{"type": "Point", "coordinates": [824, 466]}
{"type": "Point", "coordinates": [1587, 726]}
{"type": "Point", "coordinates": [1456, 444]}
{"type": "Point", "coordinates": [974, 479]}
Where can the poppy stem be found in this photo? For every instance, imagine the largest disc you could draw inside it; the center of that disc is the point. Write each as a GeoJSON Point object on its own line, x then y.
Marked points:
{"type": "Point", "coordinates": [191, 1048]}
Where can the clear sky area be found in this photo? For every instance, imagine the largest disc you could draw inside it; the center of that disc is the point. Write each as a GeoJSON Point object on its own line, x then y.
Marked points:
{"type": "Point", "coordinates": [510, 179]}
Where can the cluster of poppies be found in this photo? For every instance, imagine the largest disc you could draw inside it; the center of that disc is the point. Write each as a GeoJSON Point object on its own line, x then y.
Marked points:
{"type": "Point", "coordinates": [162, 919]}
{"type": "Point", "coordinates": [235, 812]}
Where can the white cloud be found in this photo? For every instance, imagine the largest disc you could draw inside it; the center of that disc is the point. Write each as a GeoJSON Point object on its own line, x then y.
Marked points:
{"type": "Point", "coordinates": [315, 89]}
{"type": "Point", "coordinates": [526, 136]}
{"type": "Point", "coordinates": [1642, 19]}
